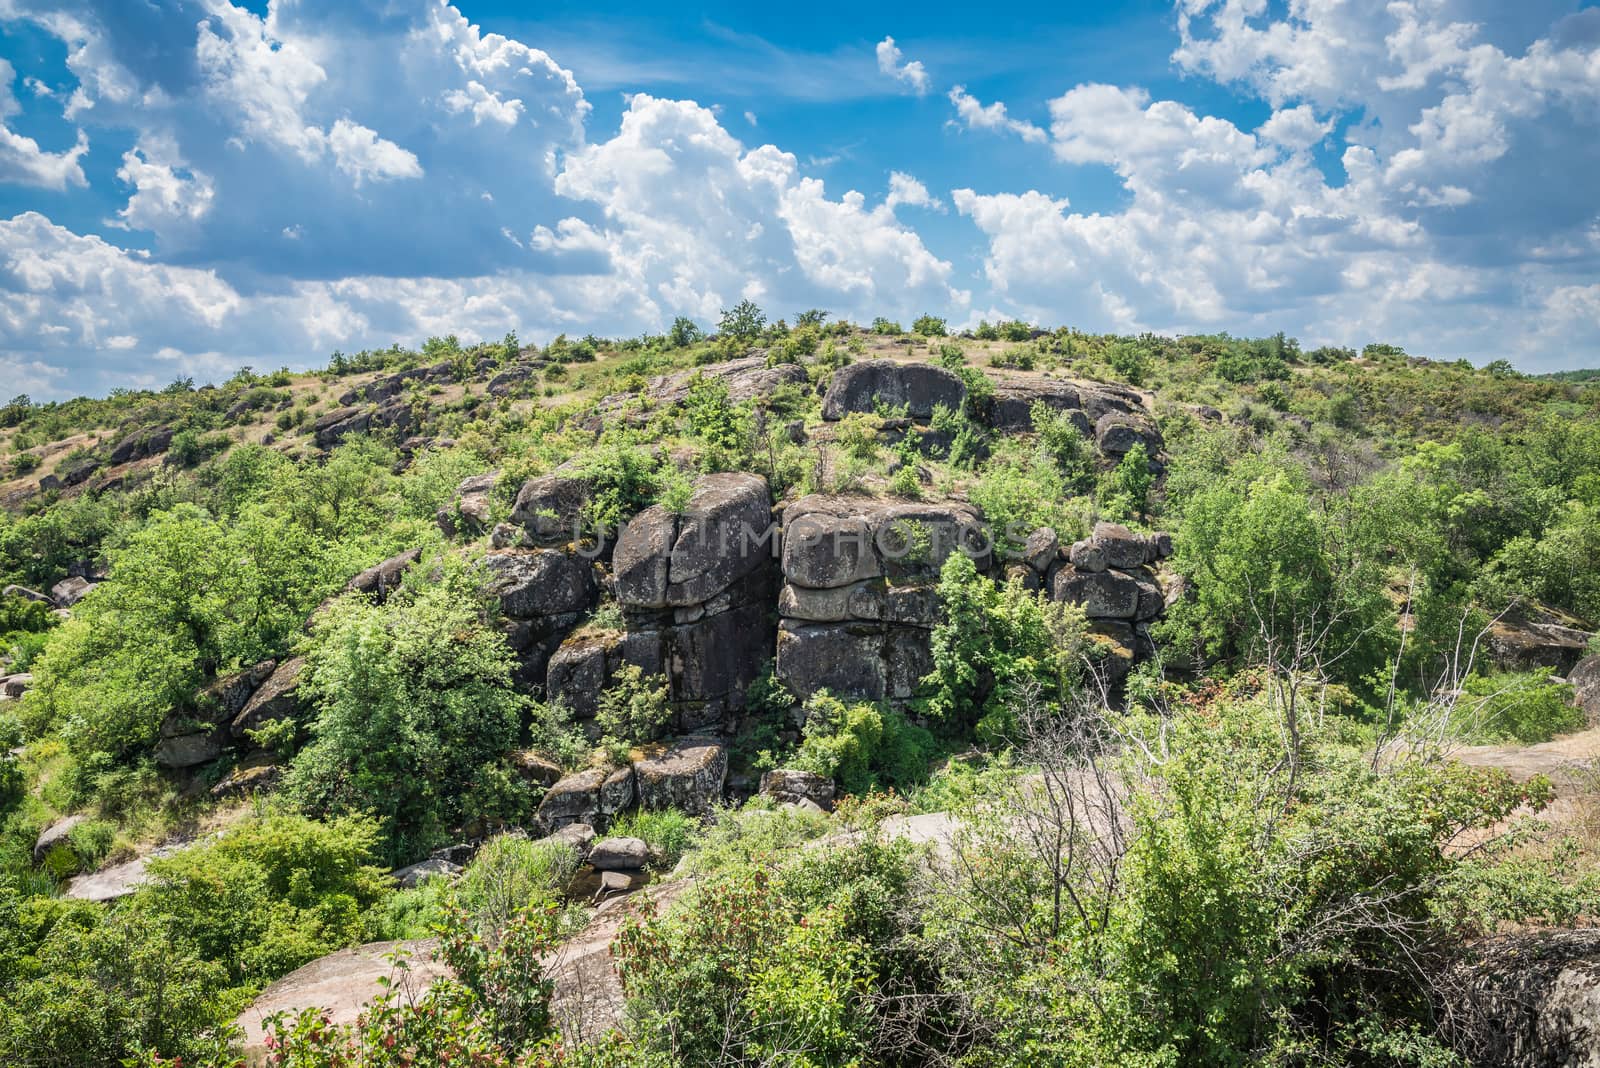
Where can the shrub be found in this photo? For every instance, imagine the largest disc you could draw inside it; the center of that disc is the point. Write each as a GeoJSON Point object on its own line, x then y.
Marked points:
{"type": "Point", "coordinates": [743, 321]}
{"type": "Point", "coordinates": [633, 709]}
{"type": "Point", "coordinates": [511, 874]}
{"type": "Point", "coordinates": [415, 704]}
{"type": "Point", "coordinates": [862, 746]}
{"type": "Point", "coordinates": [1523, 707]}
{"type": "Point", "coordinates": [668, 832]}
{"type": "Point", "coordinates": [887, 327]}
{"type": "Point", "coordinates": [992, 644]}
{"type": "Point", "coordinates": [928, 326]}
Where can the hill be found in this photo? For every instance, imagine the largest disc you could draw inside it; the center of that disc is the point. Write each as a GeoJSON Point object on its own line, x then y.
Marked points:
{"type": "Point", "coordinates": [1178, 635]}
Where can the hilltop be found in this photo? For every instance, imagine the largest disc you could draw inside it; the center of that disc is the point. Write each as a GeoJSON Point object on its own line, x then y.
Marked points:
{"type": "Point", "coordinates": [1177, 636]}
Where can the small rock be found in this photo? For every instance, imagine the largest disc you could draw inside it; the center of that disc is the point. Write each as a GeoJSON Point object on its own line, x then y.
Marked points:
{"type": "Point", "coordinates": [619, 854]}
{"type": "Point", "coordinates": [54, 835]}
{"type": "Point", "coordinates": [25, 593]}
{"type": "Point", "coordinates": [409, 876]}
{"type": "Point", "coordinates": [616, 882]}
{"type": "Point", "coordinates": [536, 768]}
{"type": "Point", "coordinates": [786, 785]}
{"type": "Point", "coordinates": [69, 591]}
{"type": "Point", "coordinates": [14, 686]}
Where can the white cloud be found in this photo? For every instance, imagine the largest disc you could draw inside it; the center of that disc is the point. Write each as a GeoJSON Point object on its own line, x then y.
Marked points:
{"type": "Point", "coordinates": [904, 189]}
{"type": "Point", "coordinates": [363, 155]}
{"type": "Point", "coordinates": [694, 222]}
{"type": "Point", "coordinates": [977, 116]}
{"type": "Point", "coordinates": [912, 73]}
{"type": "Point", "coordinates": [166, 193]}
{"type": "Point", "coordinates": [1296, 129]}
{"type": "Point", "coordinates": [22, 160]}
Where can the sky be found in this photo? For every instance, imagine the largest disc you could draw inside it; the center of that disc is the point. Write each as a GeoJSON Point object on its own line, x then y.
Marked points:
{"type": "Point", "coordinates": [189, 186]}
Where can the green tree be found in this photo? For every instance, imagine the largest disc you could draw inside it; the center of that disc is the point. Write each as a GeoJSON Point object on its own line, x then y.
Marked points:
{"type": "Point", "coordinates": [743, 321]}
{"type": "Point", "coordinates": [415, 708]}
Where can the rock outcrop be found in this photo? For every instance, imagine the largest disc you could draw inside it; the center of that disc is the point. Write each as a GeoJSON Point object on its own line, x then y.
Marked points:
{"type": "Point", "coordinates": [383, 578]}
{"type": "Point", "coordinates": [551, 507]}
{"type": "Point", "coordinates": [543, 593]}
{"type": "Point", "coordinates": [689, 777]}
{"type": "Point", "coordinates": [859, 598]}
{"type": "Point", "coordinates": [747, 379]}
{"type": "Point", "coordinates": [790, 787]}
{"type": "Point", "coordinates": [275, 699]}
{"type": "Point", "coordinates": [916, 387]}
{"type": "Point", "coordinates": [697, 592]}
{"type": "Point", "coordinates": [200, 735]}
{"type": "Point", "coordinates": [1528, 1000]}
{"type": "Point", "coordinates": [1109, 575]}
{"type": "Point", "coordinates": [469, 509]}
{"type": "Point", "coordinates": [1584, 679]}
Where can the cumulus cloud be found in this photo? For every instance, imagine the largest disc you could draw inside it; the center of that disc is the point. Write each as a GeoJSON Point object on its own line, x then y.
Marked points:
{"type": "Point", "coordinates": [976, 116]}
{"type": "Point", "coordinates": [912, 72]}
{"type": "Point", "coordinates": [22, 160]}
{"type": "Point", "coordinates": [167, 194]}
{"type": "Point", "coordinates": [696, 221]}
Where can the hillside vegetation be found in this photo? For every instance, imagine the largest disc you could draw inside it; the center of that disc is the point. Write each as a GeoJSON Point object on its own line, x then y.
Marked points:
{"type": "Point", "coordinates": [1190, 721]}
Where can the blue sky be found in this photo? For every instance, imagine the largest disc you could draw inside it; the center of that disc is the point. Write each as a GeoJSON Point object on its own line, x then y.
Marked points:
{"type": "Point", "coordinates": [191, 185]}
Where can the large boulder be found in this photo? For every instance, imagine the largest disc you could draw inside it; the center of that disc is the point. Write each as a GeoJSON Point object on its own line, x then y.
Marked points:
{"type": "Point", "coordinates": [918, 387]}
{"type": "Point", "coordinates": [788, 786]}
{"type": "Point", "coordinates": [150, 441]}
{"type": "Point", "coordinates": [748, 378]}
{"type": "Point", "coordinates": [1532, 638]}
{"type": "Point", "coordinates": [581, 668]}
{"type": "Point", "coordinates": [591, 796]}
{"type": "Point", "coordinates": [619, 854]}
{"type": "Point", "coordinates": [54, 835]}
{"type": "Point", "coordinates": [26, 594]}
{"type": "Point", "coordinates": [831, 541]}
{"type": "Point", "coordinates": [191, 750]}
{"type": "Point", "coordinates": [575, 799]}
{"type": "Point", "coordinates": [855, 660]}
{"type": "Point", "coordinates": [1103, 594]}
{"type": "Point", "coordinates": [1527, 1000]}
{"type": "Point", "coordinates": [1584, 679]}
{"type": "Point", "coordinates": [1118, 432]}
{"type": "Point", "coordinates": [1010, 411]}
{"type": "Point", "coordinates": [69, 591]}
{"type": "Point", "coordinates": [540, 582]}
{"type": "Point", "coordinates": [274, 700]}
{"type": "Point", "coordinates": [709, 662]}
{"type": "Point", "coordinates": [551, 508]}
{"type": "Point", "coordinates": [383, 578]}
{"type": "Point", "coordinates": [470, 506]}
{"type": "Point", "coordinates": [665, 560]}
{"type": "Point", "coordinates": [689, 776]}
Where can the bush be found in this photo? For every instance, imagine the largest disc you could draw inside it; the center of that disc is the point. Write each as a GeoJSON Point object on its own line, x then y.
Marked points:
{"type": "Point", "coordinates": [887, 327]}
{"type": "Point", "coordinates": [633, 709]}
{"type": "Point", "coordinates": [995, 644]}
{"type": "Point", "coordinates": [862, 746]}
{"type": "Point", "coordinates": [512, 874]}
{"type": "Point", "coordinates": [668, 832]}
{"type": "Point", "coordinates": [271, 894]}
{"type": "Point", "coordinates": [1524, 707]}
{"type": "Point", "coordinates": [928, 326]}
{"type": "Point", "coordinates": [415, 707]}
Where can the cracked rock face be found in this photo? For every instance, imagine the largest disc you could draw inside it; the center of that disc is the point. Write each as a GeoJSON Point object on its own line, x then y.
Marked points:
{"type": "Point", "coordinates": [917, 387]}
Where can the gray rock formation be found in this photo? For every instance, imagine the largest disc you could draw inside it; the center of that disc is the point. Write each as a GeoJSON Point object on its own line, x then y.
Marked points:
{"type": "Point", "coordinates": [469, 508]}
{"type": "Point", "coordinates": [748, 379]}
{"type": "Point", "coordinates": [69, 591]}
{"type": "Point", "coordinates": [697, 590]}
{"type": "Point", "coordinates": [591, 796]}
{"type": "Point", "coordinates": [689, 776]}
{"type": "Point", "coordinates": [543, 595]}
{"type": "Point", "coordinates": [551, 507]}
{"type": "Point", "coordinates": [788, 786]}
{"type": "Point", "coordinates": [273, 700]}
{"type": "Point", "coordinates": [1528, 1001]}
{"type": "Point", "coordinates": [1584, 679]}
{"type": "Point", "coordinates": [26, 594]}
{"type": "Point", "coordinates": [54, 835]}
{"type": "Point", "coordinates": [581, 668]}
{"type": "Point", "coordinates": [383, 578]}
{"type": "Point", "coordinates": [619, 854]}
{"type": "Point", "coordinates": [1118, 432]}
{"type": "Point", "coordinates": [919, 387]}
{"type": "Point", "coordinates": [859, 601]}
